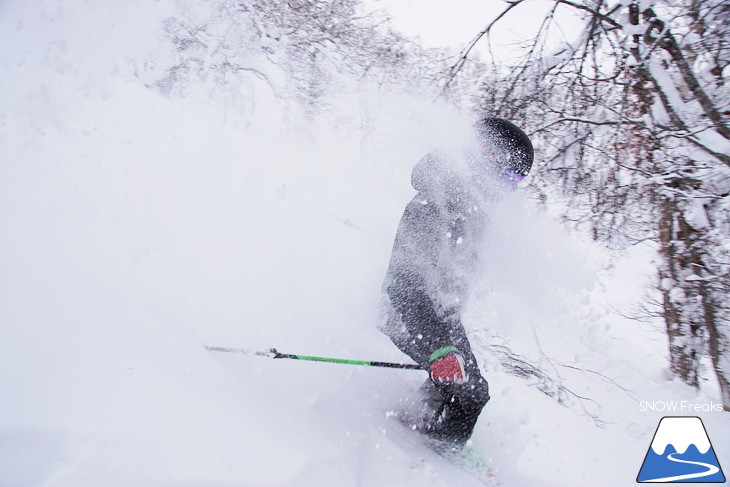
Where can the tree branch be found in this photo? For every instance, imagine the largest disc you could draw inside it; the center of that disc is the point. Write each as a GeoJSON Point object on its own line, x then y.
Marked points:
{"type": "Point", "coordinates": [454, 70]}
{"type": "Point", "coordinates": [595, 13]}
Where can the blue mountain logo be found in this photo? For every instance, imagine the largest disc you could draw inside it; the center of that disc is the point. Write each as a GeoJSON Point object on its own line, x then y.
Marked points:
{"type": "Point", "coordinates": [681, 452]}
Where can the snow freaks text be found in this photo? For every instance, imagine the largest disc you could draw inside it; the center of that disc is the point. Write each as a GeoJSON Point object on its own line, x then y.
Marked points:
{"type": "Point", "coordinates": [679, 407]}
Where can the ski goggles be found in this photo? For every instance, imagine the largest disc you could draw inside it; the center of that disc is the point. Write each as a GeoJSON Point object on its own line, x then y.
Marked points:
{"type": "Point", "coordinates": [513, 178]}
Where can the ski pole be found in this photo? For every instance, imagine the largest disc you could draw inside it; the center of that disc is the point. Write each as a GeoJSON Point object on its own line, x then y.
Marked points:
{"type": "Point", "coordinates": [273, 353]}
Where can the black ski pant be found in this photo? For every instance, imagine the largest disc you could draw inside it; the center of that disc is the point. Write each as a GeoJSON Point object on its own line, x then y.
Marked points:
{"type": "Point", "coordinates": [455, 408]}
{"type": "Point", "coordinates": [451, 410]}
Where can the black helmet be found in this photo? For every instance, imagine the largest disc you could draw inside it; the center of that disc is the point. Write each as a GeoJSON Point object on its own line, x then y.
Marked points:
{"type": "Point", "coordinates": [507, 144]}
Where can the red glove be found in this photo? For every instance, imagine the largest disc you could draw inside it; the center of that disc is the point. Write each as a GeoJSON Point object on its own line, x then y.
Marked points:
{"type": "Point", "coordinates": [447, 365]}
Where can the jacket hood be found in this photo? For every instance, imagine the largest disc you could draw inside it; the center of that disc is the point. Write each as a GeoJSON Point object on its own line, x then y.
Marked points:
{"type": "Point", "coordinates": [436, 172]}
{"type": "Point", "coordinates": [460, 177]}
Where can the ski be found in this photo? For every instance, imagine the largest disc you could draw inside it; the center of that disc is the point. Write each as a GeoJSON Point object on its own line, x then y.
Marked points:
{"type": "Point", "coordinates": [467, 459]}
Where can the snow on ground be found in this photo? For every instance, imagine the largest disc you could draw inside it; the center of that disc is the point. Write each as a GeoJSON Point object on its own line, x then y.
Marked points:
{"type": "Point", "coordinates": [136, 229]}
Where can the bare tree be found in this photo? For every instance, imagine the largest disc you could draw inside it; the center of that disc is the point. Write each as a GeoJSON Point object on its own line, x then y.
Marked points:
{"type": "Point", "coordinates": [631, 118]}
{"type": "Point", "coordinates": [303, 51]}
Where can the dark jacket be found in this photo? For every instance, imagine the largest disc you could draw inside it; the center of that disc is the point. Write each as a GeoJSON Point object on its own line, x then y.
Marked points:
{"type": "Point", "coordinates": [434, 255]}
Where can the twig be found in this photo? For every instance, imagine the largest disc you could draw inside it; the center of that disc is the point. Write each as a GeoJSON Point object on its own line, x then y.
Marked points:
{"type": "Point", "coordinates": [454, 70]}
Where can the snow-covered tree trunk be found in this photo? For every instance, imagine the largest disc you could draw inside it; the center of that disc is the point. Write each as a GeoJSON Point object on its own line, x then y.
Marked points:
{"type": "Point", "coordinates": [695, 286]}
{"type": "Point", "coordinates": [683, 300]}
{"type": "Point", "coordinates": [718, 332]}
{"type": "Point", "coordinates": [694, 282]}
{"type": "Point", "coordinates": [717, 307]}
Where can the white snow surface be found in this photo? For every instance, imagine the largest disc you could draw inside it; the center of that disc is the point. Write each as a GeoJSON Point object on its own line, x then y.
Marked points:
{"type": "Point", "coordinates": [135, 229]}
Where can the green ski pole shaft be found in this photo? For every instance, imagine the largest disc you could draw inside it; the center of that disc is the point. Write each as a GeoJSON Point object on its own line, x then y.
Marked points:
{"type": "Point", "coordinates": [273, 353]}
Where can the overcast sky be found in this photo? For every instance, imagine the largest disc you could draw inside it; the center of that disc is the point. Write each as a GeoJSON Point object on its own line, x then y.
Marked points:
{"type": "Point", "coordinates": [456, 22]}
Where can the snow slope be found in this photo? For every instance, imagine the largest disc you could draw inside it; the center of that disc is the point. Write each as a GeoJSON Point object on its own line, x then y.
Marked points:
{"type": "Point", "coordinates": [135, 229]}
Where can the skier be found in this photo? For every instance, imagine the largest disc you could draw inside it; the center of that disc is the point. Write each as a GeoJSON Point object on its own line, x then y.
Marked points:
{"type": "Point", "coordinates": [436, 246]}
